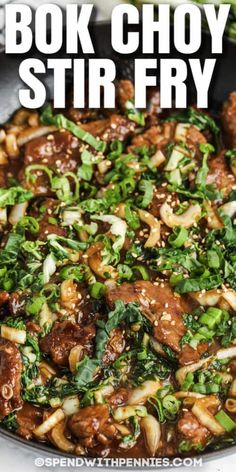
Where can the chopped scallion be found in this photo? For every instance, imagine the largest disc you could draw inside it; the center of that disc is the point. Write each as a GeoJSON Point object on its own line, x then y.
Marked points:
{"type": "Point", "coordinates": [225, 421]}
{"type": "Point", "coordinates": [178, 237]}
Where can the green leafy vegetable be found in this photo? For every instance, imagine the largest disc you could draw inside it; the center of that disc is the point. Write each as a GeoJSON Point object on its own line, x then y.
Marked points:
{"type": "Point", "coordinates": [13, 195]}
{"type": "Point", "coordinates": [10, 422]}
{"type": "Point", "coordinates": [129, 313]}
{"type": "Point", "coordinates": [85, 372]}
{"type": "Point", "coordinates": [201, 177]}
{"type": "Point", "coordinates": [97, 290]}
{"type": "Point", "coordinates": [147, 188]}
{"type": "Point", "coordinates": [34, 306]}
{"type": "Point", "coordinates": [85, 171]}
{"type": "Point", "coordinates": [196, 285]}
{"type": "Point", "coordinates": [72, 272]}
{"type": "Point", "coordinates": [133, 114]}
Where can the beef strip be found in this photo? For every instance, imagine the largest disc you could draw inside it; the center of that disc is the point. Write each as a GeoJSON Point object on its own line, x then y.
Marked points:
{"type": "Point", "coordinates": [158, 135]}
{"type": "Point", "coordinates": [229, 120]}
{"type": "Point", "coordinates": [164, 309]}
{"type": "Point", "coordinates": [59, 151]}
{"type": "Point", "coordinates": [160, 305]}
{"type": "Point", "coordinates": [188, 355]}
{"type": "Point", "coordinates": [194, 138]}
{"type": "Point", "coordinates": [10, 377]}
{"type": "Point", "coordinates": [81, 115]}
{"type": "Point", "coordinates": [219, 174]}
{"type": "Point", "coordinates": [49, 228]}
{"type": "Point", "coordinates": [191, 430]}
{"type": "Point", "coordinates": [93, 425]}
{"type": "Point", "coordinates": [63, 337]}
{"type": "Point", "coordinates": [33, 328]}
{"type": "Point", "coordinates": [114, 127]}
{"type": "Point", "coordinates": [28, 418]}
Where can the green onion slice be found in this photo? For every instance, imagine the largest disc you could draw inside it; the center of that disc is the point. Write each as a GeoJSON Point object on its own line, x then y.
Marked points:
{"type": "Point", "coordinates": [171, 404]}
{"type": "Point", "coordinates": [142, 270]}
{"type": "Point", "coordinates": [225, 421]}
{"type": "Point", "coordinates": [178, 237]}
{"type": "Point", "coordinates": [97, 290]}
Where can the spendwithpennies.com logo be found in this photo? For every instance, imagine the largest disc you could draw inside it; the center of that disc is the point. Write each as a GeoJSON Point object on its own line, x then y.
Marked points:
{"type": "Point", "coordinates": [117, 463]}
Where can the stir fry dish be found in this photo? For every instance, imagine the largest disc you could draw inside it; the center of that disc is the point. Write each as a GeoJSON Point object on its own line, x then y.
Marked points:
{"type": "Point", "coordinates": [118, 278]}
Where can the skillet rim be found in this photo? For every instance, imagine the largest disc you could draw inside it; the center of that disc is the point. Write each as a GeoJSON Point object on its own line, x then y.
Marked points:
{"type": "Point", "coordinates": [46, 448]}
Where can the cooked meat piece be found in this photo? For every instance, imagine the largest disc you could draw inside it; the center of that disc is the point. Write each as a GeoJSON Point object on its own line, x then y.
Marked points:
{"type": "Point", "coordinates": [59, 151]}
{"type": "Point", "coordinates": [115, 127]}
{"type": "Point", "coordinates": [124, 93]}
{"type": "Point", "coordinates": [115, 347]}
{"type": "Point", "coordinates": [150, 137]}
{"type": "Point", "coordinates": [129, 293]}
{"type": "Point", "coordinates": [33, 328]}
{"type": "Point", "coordinates": [229, 120]}
{"type": "Point", "coordinates": [10, 377]}
{"type": "Point", "coordinates": [4, 297]}
{"type": "Point", "coordinates": [232, 367]}
{"type": "Point", "coordinates": [191, 430]}
{"type": "Point", "coordinates": [87, 310]}
{"type": "Point", "coordinates": [157, 135]}
{"type": "Point", "coordinates": [120, 397]}
{"type": "Point", "coordinates": [219, 174]}
{"type": "Point", "coordinates": [168, 326]}
{"type": "Point", "coordinates": [81, 115]}
{"type": "Point", "coordinates": [189, 355]}
{"type": "Point", "coordinates": [163, 308]}
{"type": "Point", "coordinates": [49, 228]}
{"type": "Point", "coordinates": [153, 101]}
{"type": "Point", "coordinates": [28, 418]}
{"type": "Point", "coordinates": [93, 425]}
{"type": "Point", "coordinates": [89, 420]}
{"type": "Point", "coordinates": [194, 137]}
{"type": "Point", "coordinates": [63, 337]}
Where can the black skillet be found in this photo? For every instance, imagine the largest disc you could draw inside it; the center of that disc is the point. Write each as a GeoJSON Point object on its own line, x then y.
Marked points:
{"type": "Point", "coordinates": [223, 83]}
